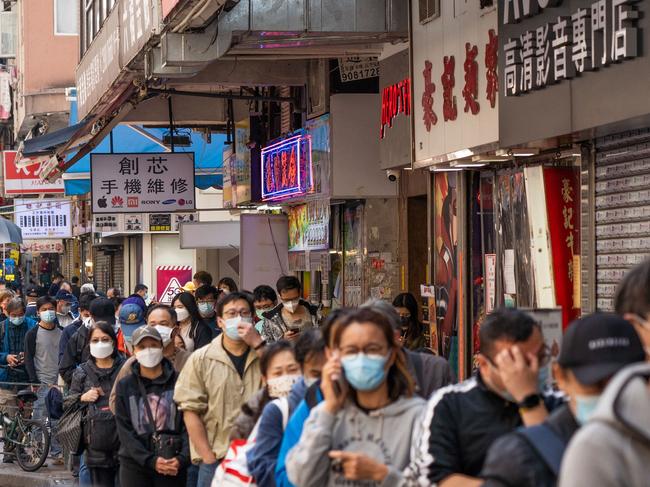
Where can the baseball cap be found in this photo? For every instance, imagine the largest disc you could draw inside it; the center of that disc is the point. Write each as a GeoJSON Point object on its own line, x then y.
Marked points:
{"type": "Point", "coordinates": [31, 292]}
{"type": "Point", "coordinates": [63, 295]}
{"type": "Point", "coordinates": [597, 346]}
{"type": "Point", "coordinates": [132, 315]}
{"type": "Point", "coordinates": [189, 287]}
{"type": "Point", "coordinates": [145, 332]}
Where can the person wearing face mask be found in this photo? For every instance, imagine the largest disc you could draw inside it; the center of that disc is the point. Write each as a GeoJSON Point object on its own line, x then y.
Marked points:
{"type": "Point", "coordinates": [12, 350]}
{"type": "Point", "coordinates": [291, 316]}
{"type": "Point", "coordinates": [194, 332]}
{"type": "Point", "coordinates": [227, 285]}
{"type": "Point", "coordinates": [91, 384]}
{"type": "Point", "coordinates": [139, 297]}
{"type": "Point", "coordinates": [154, 449]}
{"type": "Point", "coordinates": [509, 390]}
{"type": "Point", "coordinates": [594, 349]}
{"type": "Point", "coordinates": [217, 380]}
{"type": "Point", "coordinates": [64, 314]}
{"type": "Point", "coordinates": [206, 300]}
{"type": "Point", "coordinates": [280, 371]}
{"type": "Point", "coordinates": [84, 320]}
{"type": "Point", "coordinates": [412, 331]}
{"type": "Point", "coordinates": [361, 432]}
{"type": "Point", "coordinates": [262, 460]}
{"type": "Point", "coordinates": [265, 300]}
{"type": "Point", "coordinates": [41, 362]}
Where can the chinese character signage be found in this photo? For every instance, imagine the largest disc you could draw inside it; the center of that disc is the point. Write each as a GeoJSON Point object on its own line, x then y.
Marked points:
{"type": "Point", "coordinates": [563, 208]}
{"type": "Point", "coordinates": [142, 183]}
{"type": "Point", "coordinates": [42, 246]}
{"type": "Point", "coordinates": [40, 218]}
{"type": "Point", "coordinates": [455, 81]}
{"type": "Point", "coordinates": [395, 99]}
{"type": "Point", "coordinates": [26, 180]}
{"type": "Point", "coordinates": [591, 37]}
{"type": "Point", "coordinates": [309, 226]}
{"type": "Point", "coordinates": [287, 169]}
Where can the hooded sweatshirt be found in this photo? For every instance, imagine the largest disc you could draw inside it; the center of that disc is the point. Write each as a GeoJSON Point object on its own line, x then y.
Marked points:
{"type": "Point", "coordinates": [383, 434]}
{"type": "Point", "coordinates": [613, 448]}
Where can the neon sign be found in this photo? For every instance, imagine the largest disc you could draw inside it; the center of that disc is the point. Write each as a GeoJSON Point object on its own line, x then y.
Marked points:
{"type": "Point", "coordinates": [287, 169]}
{"type": "Point", "coordinates": [395, 99]}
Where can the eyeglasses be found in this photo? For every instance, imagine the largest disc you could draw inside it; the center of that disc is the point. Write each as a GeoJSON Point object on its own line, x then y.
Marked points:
{"type": "Point", "coordinates": [101, 340]}
{"type": "Point", "coordinates": [233, 313]}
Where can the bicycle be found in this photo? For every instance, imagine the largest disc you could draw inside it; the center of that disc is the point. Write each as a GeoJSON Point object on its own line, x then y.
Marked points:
{"type": "Point", "coordinates": [30, 437]}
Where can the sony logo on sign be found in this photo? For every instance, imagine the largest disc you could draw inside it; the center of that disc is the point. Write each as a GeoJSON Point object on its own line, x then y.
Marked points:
{"type": "Point", "coordinates": [515, 10]}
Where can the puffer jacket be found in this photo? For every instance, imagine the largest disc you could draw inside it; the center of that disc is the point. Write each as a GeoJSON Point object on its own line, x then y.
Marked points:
{"type": "Point", "coordinates": [85, 377]}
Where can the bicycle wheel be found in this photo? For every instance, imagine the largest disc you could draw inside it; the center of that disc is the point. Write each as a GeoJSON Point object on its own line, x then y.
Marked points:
{"type": "Point", "coordinates": [32, 444]}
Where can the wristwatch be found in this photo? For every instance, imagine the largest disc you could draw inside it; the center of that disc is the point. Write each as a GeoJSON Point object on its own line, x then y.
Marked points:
{"type": "Point", "coordinates": [530, 401]}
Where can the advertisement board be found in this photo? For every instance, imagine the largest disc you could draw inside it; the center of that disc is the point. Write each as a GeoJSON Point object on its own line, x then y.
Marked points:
{"type": "Point", "coordinates": [38, 218]}
{"type": "Point", "coordinates": [170, 281]}
{"type": "Point", "coordinates": [42, 247]}
{"type": "Point", "coordinates": [309, 226]}
{"type": "Point", "coordinates": [142, 183]}
{"type": "Point", "coordinates": [26, 180]}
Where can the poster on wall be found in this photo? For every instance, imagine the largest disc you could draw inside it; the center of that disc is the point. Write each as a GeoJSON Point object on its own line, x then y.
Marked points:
{"type": "Point", "coordinates": [42, 246]}
{"type": "Point", "coordinates": [140, 183]}
{"type": "Point", "coordinates": [309, 226]}
{"type": "Point", "coordinates": [490, 282]}
{"type": "Point", "coordinates": [26, 180]}
{"type": "Point", "coordinates": [353, 249]}
{"type": "Point", "coordinates": [170, 280]}
{"type": "Point", "coordinates": [38, 218]}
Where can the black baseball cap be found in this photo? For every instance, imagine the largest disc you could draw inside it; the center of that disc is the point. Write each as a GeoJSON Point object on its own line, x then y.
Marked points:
{"type": "Point", "coordinates": [597, 346]}
{"type": "Point", "coordinates": [31, 292]}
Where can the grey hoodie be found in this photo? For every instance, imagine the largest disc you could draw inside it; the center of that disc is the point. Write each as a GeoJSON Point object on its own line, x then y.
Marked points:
{"type": "Point", "coordinates": [613, 448]}
{"type": "Point", "coordinates": [384, 435]}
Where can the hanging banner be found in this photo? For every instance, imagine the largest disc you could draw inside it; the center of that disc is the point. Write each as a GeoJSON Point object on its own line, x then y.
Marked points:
{"type": "Point", "coordinates": [170, 281]}
{"type": "Point", "coordinates": [562, 189]}
{"type": "Point", "coordinates": [141, 183]}
{"type": "Point", "coordinates": [26, 180]}
{"type": "Point", "coordinates": [43, 218]}
{"type": "Point", "coordinates": [42, 247]}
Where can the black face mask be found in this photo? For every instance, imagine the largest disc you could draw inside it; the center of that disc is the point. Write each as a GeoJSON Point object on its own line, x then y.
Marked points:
{"type": "Point", "coordinates": [405, 321]}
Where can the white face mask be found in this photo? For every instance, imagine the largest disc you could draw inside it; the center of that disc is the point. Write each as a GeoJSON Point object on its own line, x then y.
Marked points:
{"type": "Point", "coordinates": [88, 322]}
{"type": "Point", "coordinates": [291, 306]}
{"type": "Point", "coordinates": [149, 357]}
{"type": "Point", "coordinates": [281, 386]}
{"type": "Point", "coordinates": [182, 314]}
{"type": "Point", "coordinates": [101, 350]}
{"type": "Point", "coordinates": [165, 334]}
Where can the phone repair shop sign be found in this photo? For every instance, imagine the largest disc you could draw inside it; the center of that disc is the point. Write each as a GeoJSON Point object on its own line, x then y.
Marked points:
{"type": "Point", "coordinates": [142, 183]}
{"type": "Point", "coordinates": [39, 218]}
{"type": "Point", "coordinates": [170, 280]}
{"type": "Point", "coordinates": [26, 180]}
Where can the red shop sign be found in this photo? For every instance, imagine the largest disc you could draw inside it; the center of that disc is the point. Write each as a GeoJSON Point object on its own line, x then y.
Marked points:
{"type": "Point", "coordinates": [395, 99]}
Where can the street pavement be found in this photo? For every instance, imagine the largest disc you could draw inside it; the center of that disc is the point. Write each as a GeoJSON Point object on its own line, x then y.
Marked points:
{"type": "Point", "coordinates": [11, 475]}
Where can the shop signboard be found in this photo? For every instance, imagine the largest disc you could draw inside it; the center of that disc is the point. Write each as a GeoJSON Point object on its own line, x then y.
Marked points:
{"type": "Point", "coordinates": [309, 226]}
{"type": "Point", "coordinates": [583, 58]}
{"type": "Point", "coordinates": [241, 164]}
{"type": "Point", "coordinates": [170, 280]}
{"type": "Point", "coordinates": [142, 183]}
{"type": "Point", "coordinates": [42, 246]}
{"type": "Point", "coordinates": [490, 282]}
{"type": "Point", "coordinates": [228, 162]}
{"type": "Point", "coordinates": [167, 7]}
{"type": "Point", "coordinates": [26, 180]}
{"type": "Point", "coordinates": [455, 82]}
{"type": "Point", "coordinates": [287, 168]}
{"type": "Point", "coordinates": [396, 106]}
{"type": "Point", "coordinates": [358, 68]}
{"type": "Point", "coordinates": [39, 218]}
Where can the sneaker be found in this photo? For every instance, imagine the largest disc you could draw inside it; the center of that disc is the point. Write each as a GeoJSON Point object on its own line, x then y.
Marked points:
{"type": "Point", "coordinates": [7, 459]}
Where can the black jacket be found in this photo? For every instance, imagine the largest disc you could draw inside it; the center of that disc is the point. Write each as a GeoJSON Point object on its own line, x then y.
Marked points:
{"type": "Point", "coordinates": [82, 382]}
{"type": "Point", "coordinates": [30, 351]}
{"type": "Point", "coordinates": [429, 371]}
{"type": "Point", "coordinates": [76, 353]}
{"type": "Point", "coordinates": [513, 462]}
{"type": "Point", "coordinates": [133, 426]}
{"type": "Point", "coordinates": [460, 424]}
{"type": "Point", "coordinates": [201, 334]}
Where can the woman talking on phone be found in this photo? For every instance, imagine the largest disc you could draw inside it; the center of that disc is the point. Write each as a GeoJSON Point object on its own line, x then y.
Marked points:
{"type": "Point", "coordinates": [361, 432]}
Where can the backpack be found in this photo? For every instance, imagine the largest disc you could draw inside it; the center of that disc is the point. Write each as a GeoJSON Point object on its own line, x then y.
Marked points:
{"type": "Point", "coordinates": [547, 444]}
{"type": "Point", "coordinates": [233, 470]}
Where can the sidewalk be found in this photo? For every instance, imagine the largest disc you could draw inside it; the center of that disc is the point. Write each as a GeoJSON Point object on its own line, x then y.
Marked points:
{"type": "Point", "coordinates": [12, 475]}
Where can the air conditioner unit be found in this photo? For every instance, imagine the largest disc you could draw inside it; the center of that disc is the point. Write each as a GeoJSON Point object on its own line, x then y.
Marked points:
{"type": "Point", "coordinates": [7, 34]}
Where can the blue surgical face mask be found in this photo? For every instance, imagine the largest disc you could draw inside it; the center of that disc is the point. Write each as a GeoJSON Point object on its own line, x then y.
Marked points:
{"type": "Point", "coordinates": [17, 321]}
{"type": "Point", "coordinates": [364, 372]}
{"type": "Point", "coordinates": [48, 316]}
{"type": "Point", "coordinates": [206, 309]}
{"type": "Point", "coordinates": [231, 327]}
{"type": "Point", "coordinates": [585, 408]}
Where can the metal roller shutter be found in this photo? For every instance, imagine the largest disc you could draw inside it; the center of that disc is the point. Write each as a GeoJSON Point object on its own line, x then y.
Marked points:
{"type": "Point", "coordinates": [622, 209]}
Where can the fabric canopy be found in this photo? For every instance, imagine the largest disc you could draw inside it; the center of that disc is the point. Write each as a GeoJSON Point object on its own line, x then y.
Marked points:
{"type": "Point", "coordinates": [10, 232]}
{"type": "Point", "coordinates": [46, 144]}
{"type": "Point", "coordinates": [208, 157]}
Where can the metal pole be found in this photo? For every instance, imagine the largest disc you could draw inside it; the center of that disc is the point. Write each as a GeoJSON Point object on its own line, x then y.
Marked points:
{"type": "Point", "coordinates": [171, 122]}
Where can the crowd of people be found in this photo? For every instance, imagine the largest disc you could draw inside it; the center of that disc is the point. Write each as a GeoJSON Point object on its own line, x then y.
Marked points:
{"type": "Point", "coordinates": [226, 387]}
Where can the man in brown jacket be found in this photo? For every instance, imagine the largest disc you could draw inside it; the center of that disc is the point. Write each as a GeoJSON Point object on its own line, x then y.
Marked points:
{"type": "Point", "coordinates": [217, 380]}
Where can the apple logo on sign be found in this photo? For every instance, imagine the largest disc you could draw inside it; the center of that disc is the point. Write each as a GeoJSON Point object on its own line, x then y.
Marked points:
{"type": "Point", "coordinates": [102, 202]}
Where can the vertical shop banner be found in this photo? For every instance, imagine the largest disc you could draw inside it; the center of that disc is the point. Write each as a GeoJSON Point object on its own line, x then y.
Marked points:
{"type": "Point", "coordinates": [562, 189]}
{"type": "Point", "coordinates": [170, 280]}
{"type": "Point", "coordinates": [241, 168]}
{"type": "Point", "coordinates": [43, 218]}
{"type": "Point", "coordinates": [490, 282]}
{"type": "Point", "coordinates": [228, 159]}
{"type": "Point", "coordinates": [319, 130]}
{"type": "Point", "coordinates": [26, 180]}
{"type": "Point", "coordinates": [140, 183]}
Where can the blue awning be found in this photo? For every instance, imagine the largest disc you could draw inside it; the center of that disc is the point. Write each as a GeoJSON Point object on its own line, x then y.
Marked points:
{"type": "Point", "coordinates": [208, 157]}
{"type": "Point", "coordinates": [46, 144]}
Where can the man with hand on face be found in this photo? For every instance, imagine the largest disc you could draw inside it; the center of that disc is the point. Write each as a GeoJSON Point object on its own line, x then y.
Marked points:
{"type": "Point", "coordinates": [217, 380]}
{"type": "Point", "coordinates": [509, 390]}
{"type": "Point", "coordinates": [292, 315]}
